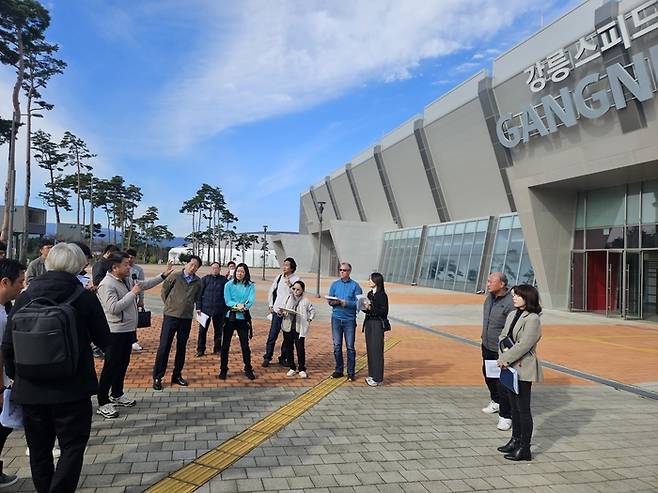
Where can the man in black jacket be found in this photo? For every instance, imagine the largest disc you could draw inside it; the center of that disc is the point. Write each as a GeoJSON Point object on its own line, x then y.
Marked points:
{"type": "Point", "coordinates": [211, 303]}
{"type": "Point", "coordinates": [59, 408]}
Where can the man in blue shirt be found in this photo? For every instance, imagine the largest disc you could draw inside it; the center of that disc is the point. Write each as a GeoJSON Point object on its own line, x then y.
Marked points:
{"type": "Point", "coordinates": [342, 297]}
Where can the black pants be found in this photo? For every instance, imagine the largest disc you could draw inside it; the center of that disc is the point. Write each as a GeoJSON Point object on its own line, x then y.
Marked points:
{"type": "Point", "coordinates": [291, 342]}
{"type": "Point", "coordinates": [243, 333]}
{"type": "Point", "coordinates": [70, 423]}
{"type": "Point", "coordinates": [496, 389]}
{"type": "Point", "coordinates": [117, 359]}
{"type": "Point", "coordinates": [275, 328]}
{"type": "Point", "coordinates": [4, 433]}
{"type": "Point", "coordinates": [375, 348]}
{"type": "Point", "coordinates": [218, 327]}
{"type": "Point", "coordinates": [521, 412]}
{"type": "Point", "coordinates": [172, 326]}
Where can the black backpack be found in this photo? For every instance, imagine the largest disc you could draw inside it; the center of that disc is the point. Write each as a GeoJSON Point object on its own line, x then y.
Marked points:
{"type": "Point", "coordinates": [45, 337]}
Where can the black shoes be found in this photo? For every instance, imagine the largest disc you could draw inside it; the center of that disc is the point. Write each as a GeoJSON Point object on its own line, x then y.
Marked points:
{"type": "Point", "coordinates": [199, 354]}
{"type": "Point", "coordinates": [509, 446]}
{"type": "Point", "coordinates": [337, 374]}
{"type": "Point", "coordinates": [350, 377]}
{"type": "Point", "coordinates": [157, 384]}
{"type": "Point", "coordinates": [250, 374]}
{"type": "Point", "coordinates": [179, 381]}
{"type": "Point", "coordinates": [522, 452]}
{"type": "Point", "coordinates": [222, 374]}
{"type": "Point", "coordinates": [266, 363]}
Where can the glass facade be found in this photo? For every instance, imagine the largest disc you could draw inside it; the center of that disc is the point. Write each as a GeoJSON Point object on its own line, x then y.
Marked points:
{"type": "Point", "coordinates": [509, 253]}
{"type": "Point", "coordinates": [450, 256]}
{"type": "Point", "coordinates": [399, 254]}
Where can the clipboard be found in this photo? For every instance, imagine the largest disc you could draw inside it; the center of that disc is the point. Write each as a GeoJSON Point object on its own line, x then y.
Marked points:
{"type": "Point", "coordinates": [510, 379]}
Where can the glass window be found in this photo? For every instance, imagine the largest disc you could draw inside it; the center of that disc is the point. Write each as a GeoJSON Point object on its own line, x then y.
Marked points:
{"type": "Point", "coordinates": [459, 227]}
{"type": "Point", "coordinates": [650, 202]}
{"type": "Point", "coordinates": [526, 272]}
{"type": "Point", "coordinates": [500, 248]}
{"type": "Point", "coordinates": [483, 225]}
{"type": "Point", "coordinates": [505, 222]}
{"type": "Point", "coordinates": [450, 228]}
{"type": "Point", "coordinates": [517, 222]}
{"type": "Point", "coordinates": [605, 207]}
{"type": "Point", "coordinates": [580, 211]}
{"type": "Point", "coordinates": [470, 226]}
{"type": "Point", "coordinates": [513, 257]}
{"type": "Point", "coordinates": [633, 203]}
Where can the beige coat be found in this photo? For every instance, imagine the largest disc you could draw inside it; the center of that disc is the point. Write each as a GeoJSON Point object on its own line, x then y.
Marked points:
{"type": "Point", "coordinates": [523, 355]}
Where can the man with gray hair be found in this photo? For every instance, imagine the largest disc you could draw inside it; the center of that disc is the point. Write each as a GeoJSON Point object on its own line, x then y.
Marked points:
{"type": "Point", "coordinates": [497, 306]}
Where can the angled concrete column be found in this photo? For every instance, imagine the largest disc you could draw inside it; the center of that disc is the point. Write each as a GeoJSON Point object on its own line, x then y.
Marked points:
{"type": "Point", "coordinates": [386, 185]}
{"type": "Point", "coordinates": [430, 170]}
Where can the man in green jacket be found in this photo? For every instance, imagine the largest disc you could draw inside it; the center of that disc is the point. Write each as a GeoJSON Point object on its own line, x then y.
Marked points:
{"type": "Point", "coordinates": [179, 293]}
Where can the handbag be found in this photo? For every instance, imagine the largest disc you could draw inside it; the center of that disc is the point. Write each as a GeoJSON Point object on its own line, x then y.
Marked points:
{"type": "Point", "coordinates": [143, 318]}
{"type": "Point", "coordinates": [386, 325]}
{"type": "Point", "coordinates": [12, 413]}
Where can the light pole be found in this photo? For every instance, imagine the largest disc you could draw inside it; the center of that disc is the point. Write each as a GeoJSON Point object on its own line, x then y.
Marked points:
{"type": "Point", "coordinates": [320, 211]}
{"type": "Point", "coordinates": [264, 247]}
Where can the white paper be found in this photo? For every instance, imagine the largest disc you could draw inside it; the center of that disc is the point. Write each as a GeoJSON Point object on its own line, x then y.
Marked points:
{"type": "Point", "coordinates": [491, 368]}
{"type": "Point", "coordinates": [202, 318]}
{"type": "Point", "coordinates": [331, 298]}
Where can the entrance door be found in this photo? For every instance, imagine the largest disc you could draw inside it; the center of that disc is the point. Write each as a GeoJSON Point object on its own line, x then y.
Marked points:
{"type": "Point", "coordinates": [604, 282]}
{"type": "Point", "coordinates": [633, 286]}
{"type": "Point", "coordinates": [649, 284]}
{"type": "Point", "coordinates": [578, 281]}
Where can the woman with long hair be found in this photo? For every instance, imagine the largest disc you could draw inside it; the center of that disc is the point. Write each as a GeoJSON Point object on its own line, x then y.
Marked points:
{"type": "Point", "coordinates": [239, 295]}
{"type": "Point", "coordinates": [374, 326]}
{"type": "Point", "coordinates": [518, 350]}
{"type": "Point", "coordinates": [298, 313]}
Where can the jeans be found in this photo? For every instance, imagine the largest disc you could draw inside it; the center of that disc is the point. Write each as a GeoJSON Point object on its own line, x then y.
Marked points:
{"type": "Point", "coordinates": [521, 413]}
{"type": "Point", "coordinates": [70, 422]}
{"type": "Point", "coordinates": [218, 327]}
{"type": "Point", "coordinates": [243, 334]}
{"type": "Point", "coordinates": [344, 329]}
{"type": "Point", "coordinates": [117, 359]}
{"type": "Point", "coordinates": [275, 328]}
{"type": "Point", "coordinates": [496, 389]}
{"type": "Point", "coordinates": [172, 326]}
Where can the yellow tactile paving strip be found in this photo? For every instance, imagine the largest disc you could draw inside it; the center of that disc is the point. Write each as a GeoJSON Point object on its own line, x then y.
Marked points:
{"type": "Point", "coordinates": [207, 466]}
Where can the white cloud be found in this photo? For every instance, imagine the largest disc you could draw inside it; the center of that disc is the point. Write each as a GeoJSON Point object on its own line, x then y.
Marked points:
{"type": "Point", "coordinates": [289, 55]}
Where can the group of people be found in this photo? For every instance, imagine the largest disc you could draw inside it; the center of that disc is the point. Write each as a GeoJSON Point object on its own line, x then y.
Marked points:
{"type": "Point", "coordinates": [106, 315]}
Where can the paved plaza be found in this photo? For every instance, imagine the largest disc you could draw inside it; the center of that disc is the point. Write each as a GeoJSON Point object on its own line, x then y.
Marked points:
{"type": "Point", "coordinates": [422, 431]}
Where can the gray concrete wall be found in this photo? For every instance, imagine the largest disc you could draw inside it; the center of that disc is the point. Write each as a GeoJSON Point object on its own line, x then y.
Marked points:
{"type": "Point", "coordinates": [358, 243]}
{"type": "Point", "coordinates": [372, 194]}
{"type": "Point", "coordinates": [409, 183]}
{"type": "Point", "coordinates": [465, 163]}
{"type": "Point", "coordinates": [300, 247]}
{"type": "Point", "coordinates": [346, 204]}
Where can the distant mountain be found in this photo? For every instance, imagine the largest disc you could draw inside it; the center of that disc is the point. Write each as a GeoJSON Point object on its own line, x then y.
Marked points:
{"type": "Point", "coordinates": [51, 229]}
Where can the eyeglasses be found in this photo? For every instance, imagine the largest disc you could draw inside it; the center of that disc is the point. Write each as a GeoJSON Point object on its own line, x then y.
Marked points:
{"type": "Point", "coordinates": [343, 270]}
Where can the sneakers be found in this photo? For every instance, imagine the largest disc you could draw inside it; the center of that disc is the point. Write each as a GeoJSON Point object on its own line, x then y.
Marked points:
{"type": "Point", "coordinates": [504, 424]}
{"type": "Point", "coordinates": [56, 452]}
{"type": "Point", "coordinates": [137, 348]}
{"type": "Point", "coordinates": [492, 408]}
{"type": "Point", "coordinates": [7, 480]}
{"type": "Point", "coordinates": [107, 411]}
{"type": "Point", "coordinates": [123, 401]}
{"type": "Point", "coordinates": [291, 373]}
{"type": "Point", "coordinates": [98, 353]}
{"type": "Point", "coordinates": [370, 381]}
{"type": "Point", "coordinates": [302, 374]}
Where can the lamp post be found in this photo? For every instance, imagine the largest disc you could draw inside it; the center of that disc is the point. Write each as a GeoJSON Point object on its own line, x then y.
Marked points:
{"type": "Point", "coordinates": [320, 211]}
{"type": "Point", "coordinates": [264, 247]}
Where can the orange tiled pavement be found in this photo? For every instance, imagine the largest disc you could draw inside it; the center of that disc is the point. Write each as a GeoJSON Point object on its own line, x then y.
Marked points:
{"type": "Point", "coordinates": [625, 353]}
{"type": "Point", "coordinates": [420, 359]}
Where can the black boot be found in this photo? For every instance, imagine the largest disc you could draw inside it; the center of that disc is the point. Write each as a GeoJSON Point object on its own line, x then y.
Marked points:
{"type": "Point", "coordinates": [509, 446]}
{"type": "Point", "coordinates": [522, 452]}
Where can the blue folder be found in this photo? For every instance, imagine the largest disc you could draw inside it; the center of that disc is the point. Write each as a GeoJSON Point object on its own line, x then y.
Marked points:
{"type": "Point", "coordinates": [510, 379]}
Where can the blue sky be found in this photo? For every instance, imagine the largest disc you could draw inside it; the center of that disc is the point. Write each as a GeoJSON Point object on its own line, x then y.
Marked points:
{"type": "Point", "coordinates": [261, 98]}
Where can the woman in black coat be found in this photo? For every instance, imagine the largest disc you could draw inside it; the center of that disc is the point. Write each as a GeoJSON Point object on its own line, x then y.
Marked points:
{"type": "Point", "coordinates": [374, 326]}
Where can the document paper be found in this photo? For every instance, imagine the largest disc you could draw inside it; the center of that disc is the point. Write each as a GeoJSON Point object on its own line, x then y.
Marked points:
{"type": "Point", "coordinates": [491, 368]}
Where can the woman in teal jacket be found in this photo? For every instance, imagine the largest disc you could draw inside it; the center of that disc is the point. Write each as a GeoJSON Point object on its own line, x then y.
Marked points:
{"type": "Point", "coordinates": [239, 295]}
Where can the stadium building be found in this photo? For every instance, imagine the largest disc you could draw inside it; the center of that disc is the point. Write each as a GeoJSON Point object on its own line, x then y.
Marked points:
{"type": "Point", "coordinates": [546, 170]}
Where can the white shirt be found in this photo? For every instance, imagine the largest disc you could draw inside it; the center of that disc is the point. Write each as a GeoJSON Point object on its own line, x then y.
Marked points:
{"type": "Point", "coordinates": [282, 290]}
{"type": "Point", "coordinates": [3, 324]}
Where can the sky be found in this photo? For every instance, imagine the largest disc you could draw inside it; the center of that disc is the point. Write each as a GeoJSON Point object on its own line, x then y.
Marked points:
{"type": "Point", "coordinates": [262, 98]}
